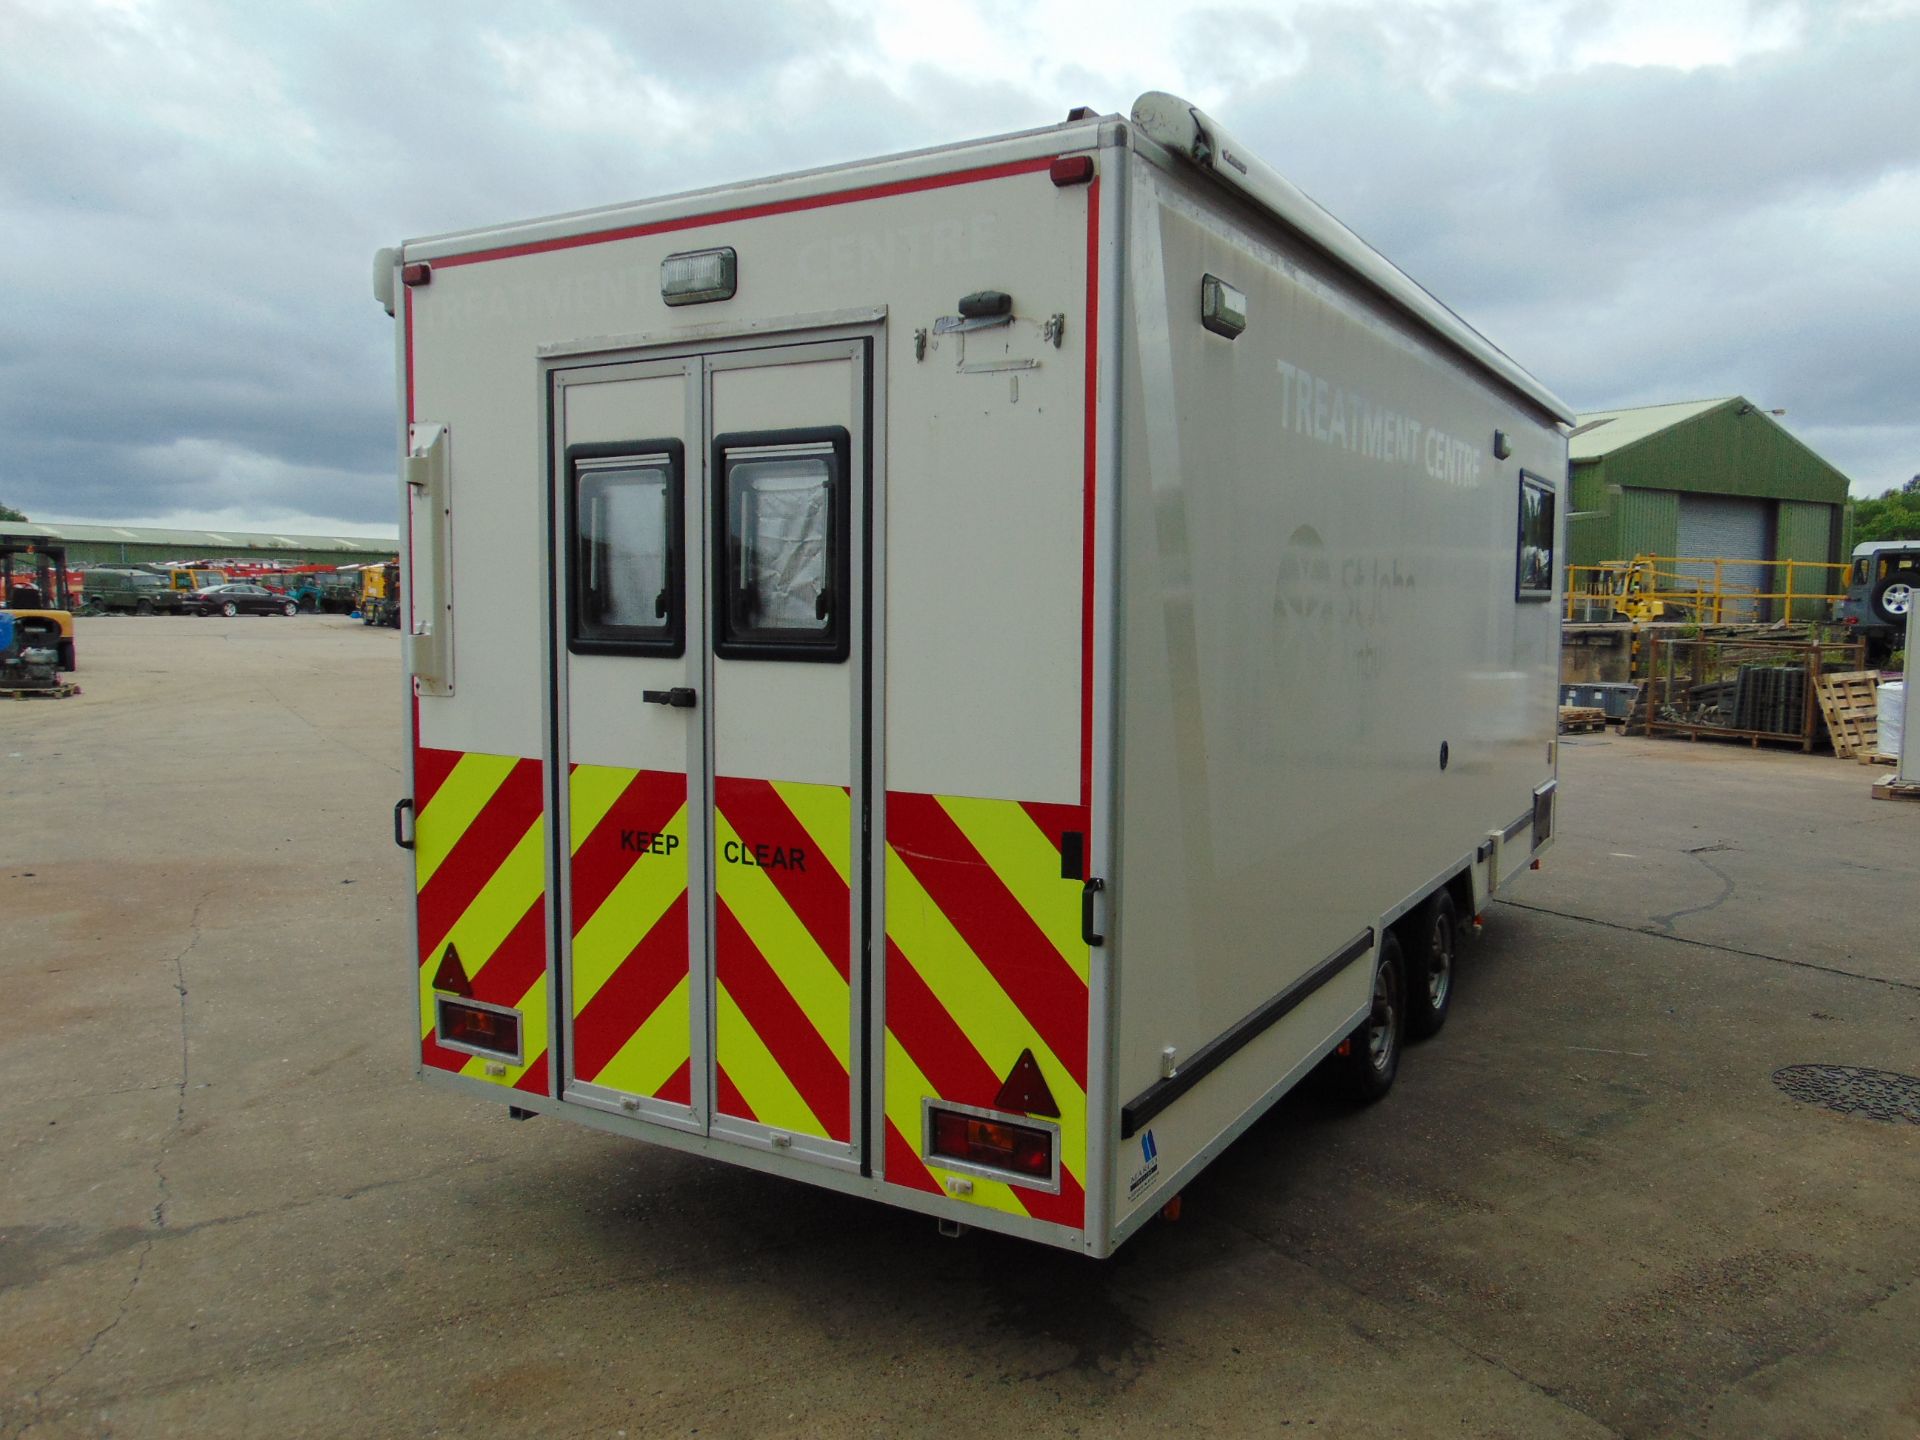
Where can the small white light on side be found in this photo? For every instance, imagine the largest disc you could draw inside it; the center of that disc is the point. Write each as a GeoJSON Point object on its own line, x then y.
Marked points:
{"type": "Point", "coordinates": [694, 277]}
{"type": "Point", "coordinates": [1223, 309]}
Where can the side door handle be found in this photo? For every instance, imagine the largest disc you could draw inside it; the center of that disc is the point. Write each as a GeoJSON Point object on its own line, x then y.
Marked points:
{"type": "Point", "coordinates": [681, 697]}
{"type": "Point", "coordinates": [1088, 891]}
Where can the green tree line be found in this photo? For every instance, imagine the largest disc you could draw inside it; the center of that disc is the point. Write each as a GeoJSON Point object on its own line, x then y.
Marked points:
{"type": "Point", "coordinates": [1894, 515]}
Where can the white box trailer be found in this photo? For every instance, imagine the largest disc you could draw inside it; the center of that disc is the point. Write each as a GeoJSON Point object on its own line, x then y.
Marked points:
{"type": "Point", "coordinates": [960, 678]}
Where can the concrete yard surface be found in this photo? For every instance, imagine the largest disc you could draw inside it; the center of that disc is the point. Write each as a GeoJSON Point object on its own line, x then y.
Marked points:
{"type": "Point", "coordinates": [1587, 1209]}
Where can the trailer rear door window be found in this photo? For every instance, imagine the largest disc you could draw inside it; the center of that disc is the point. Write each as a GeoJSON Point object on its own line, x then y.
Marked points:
{"type": "Point", "coordinates": [625, 593]}
{"type": "Point", "coordinates": [782, 498]}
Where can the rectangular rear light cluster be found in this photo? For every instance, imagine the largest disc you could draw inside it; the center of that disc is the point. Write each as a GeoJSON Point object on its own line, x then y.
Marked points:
{"type": "Point", "coordinates": [489, 1030]}
{"type": "Point", "coordinates": [1000, 1147]}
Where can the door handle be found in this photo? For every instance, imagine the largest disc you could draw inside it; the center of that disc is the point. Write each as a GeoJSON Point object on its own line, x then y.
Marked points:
{"type": "Point", "coordinates": [1092, 888]}
{"type": "Point", "coordinates": [680, 697]}
{"type": "Point", "coordinates": [400, 807]}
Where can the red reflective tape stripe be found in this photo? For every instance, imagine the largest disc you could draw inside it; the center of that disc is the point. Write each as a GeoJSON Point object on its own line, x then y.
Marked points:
{"type": "Point", "coordinates": [933, 1038]}
{"type": "Point", "coordinates": [534, 1082]}
{"type": "Point", "coordinates": [817, 895]}
{"type": "Point", "coordinates": [783, 1027]}
{"type": "Point", "coordinates": [430, 768]}
{"type": "Point", "coordinates": [657, 963]}
{"type": "Point", "coordinates": [1088, 447]}
{"type": "Point", "coordinates": [477, 854]}
{"type": "Point", "coordinates": [727, 1097]}
{"type": "Point", "coordinates": [506, 975]}
{"type": "Point", "coordinates": [408, 301]}
{"type": "Point", "coordinates": [904, 1166]}
{"type": "Point", "coordinates": [649, 801]}
{"type": "Point", "coordinates": [745, 212]}
{"type": "Point", "coordinates": [433, 1053]}
{"type": "Point", "coordinates": [1055, 820]}
{"type": "Point", "coordinates": [995, 925]}
{"type": "Point", "coordinates": [1069, 1207]}
{"type": "Point", "coordinates": [679, 1087]}
{"type": "Point", "coordinates": [957, 1072]}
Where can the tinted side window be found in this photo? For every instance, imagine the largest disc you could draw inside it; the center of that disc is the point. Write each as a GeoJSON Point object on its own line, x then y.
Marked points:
{"type": "Point", "coordinates": [782, 504]}
{"type": "Point", "coordinates": [625, 589]}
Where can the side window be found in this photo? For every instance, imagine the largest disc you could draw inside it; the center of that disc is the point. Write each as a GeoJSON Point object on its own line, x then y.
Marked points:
{"type": "Point", "coordinates": [1533, 558]}
{"type": "Point", "coordinates": [625, 594]}
{"type": "Point", "coordinates": [782, 500]}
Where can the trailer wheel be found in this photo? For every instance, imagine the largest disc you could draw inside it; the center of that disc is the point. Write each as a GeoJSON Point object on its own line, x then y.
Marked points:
{"type": "Point", "coordinates": [1370, 1057]}
{"type": "Point", "coordinates": [1434, 944]}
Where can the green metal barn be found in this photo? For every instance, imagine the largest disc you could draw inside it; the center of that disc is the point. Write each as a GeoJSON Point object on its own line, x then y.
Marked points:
{"type": "Point", "coordinates": [1707, 478]}
{"type": "Point", "coordinates": [140, 545]}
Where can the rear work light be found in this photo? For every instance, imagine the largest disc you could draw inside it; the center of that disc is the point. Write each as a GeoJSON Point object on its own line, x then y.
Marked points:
{"type": "Point", "coordinates": [694, 277]}
{"type": "Point", "coordinates": [479, 1029]}
{"type": "Point", "coordinates": [981, 1142]}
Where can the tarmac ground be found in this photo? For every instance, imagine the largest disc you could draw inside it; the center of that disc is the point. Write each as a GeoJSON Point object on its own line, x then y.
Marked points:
{"type": "Point", "coordinates": [1587, 1209]}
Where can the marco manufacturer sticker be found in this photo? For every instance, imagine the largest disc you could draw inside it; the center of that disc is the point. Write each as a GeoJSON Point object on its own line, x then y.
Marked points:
{"type": "Point", "coordinates": [1147, 1174]}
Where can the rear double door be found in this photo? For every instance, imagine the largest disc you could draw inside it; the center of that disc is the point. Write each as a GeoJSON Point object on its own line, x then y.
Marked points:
{"type": "Point", "coordinates": [710, 563]}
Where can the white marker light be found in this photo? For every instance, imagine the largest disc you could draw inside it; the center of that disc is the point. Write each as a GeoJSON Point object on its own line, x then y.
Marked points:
{"type": "Point", "coordinates": [1223, 309]}
{"type": "Point", "coordinates": [697, 276]}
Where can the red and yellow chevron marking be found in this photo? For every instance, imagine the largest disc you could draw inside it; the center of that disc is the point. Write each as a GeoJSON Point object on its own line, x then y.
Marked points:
{"type": "Point", "coordinates": [984, 960]}
{"type": "Point", "coordinates": [632, 1022]}
{"type": "Point", "coordinates": [782, 947]}
{"type": "Point", "coordinates": [481, 876]}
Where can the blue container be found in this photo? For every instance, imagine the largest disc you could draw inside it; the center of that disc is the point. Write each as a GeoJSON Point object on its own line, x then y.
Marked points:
{"type": "Point", "coordinates": [6, 632]}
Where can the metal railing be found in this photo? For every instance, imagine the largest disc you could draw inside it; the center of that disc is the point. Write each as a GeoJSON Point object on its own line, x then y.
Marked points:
{"type": "Point", "coordinates": [1655, 587]}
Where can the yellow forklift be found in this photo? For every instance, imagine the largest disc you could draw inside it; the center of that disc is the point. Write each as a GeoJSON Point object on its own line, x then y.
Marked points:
{"type": "Point", "coordinates": [34, 593]}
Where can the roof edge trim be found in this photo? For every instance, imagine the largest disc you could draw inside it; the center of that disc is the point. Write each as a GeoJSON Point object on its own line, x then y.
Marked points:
{"type": "Point", "coordinates": [1188, 131]}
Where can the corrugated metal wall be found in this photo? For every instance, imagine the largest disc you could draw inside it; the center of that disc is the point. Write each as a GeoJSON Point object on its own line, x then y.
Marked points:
{"type": "Point", "coordinates": [1804, 531]}
{"type": "Point", "coordinates": [1726, 453]}
{"type": "Point", "coordinates": [1646, 522]}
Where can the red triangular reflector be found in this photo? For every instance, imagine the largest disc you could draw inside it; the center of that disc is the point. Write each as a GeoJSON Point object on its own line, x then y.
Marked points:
{"type": "Point", "coordinates": [1026, 1090]}
{"type": "Point", "coordinates": [452, 975]}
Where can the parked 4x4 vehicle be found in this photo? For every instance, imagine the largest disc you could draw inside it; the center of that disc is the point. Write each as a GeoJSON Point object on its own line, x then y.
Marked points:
{"type": "Point", "coordinates": [129, 590]}
{"type": "Point", "coordinates": [239, 599]}
{"type": "Point", "coordinates": [1881, 588]}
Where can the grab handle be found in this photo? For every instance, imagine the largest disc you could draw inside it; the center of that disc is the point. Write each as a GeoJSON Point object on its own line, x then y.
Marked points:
{"type": "Point", "coordinates": [1092, 888]}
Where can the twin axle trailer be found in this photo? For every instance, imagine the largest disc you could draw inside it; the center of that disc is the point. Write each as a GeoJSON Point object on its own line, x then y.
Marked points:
{"type": "Point", "coordinates": [960, 678]}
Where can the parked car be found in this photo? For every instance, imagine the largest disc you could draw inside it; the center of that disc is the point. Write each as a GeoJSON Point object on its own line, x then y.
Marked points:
{"type": "Point", "coordinates": [1880, 590]}
{"type": "Point", "coordinates": [239, 599]}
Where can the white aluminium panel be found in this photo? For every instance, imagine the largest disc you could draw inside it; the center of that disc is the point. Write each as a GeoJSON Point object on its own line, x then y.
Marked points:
{"type": "Point", "coordinates": [781, 719]}
{"type": "Point", "coordinates": [607, 721]}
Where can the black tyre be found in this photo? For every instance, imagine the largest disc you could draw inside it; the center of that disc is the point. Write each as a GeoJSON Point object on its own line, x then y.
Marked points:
{"type": "Point", "coordinates": [290, 608]}
{"type": "Point", "coordinates": [67, 661]}
{"type": "Point", "coordinates": [1432, 946]}
{"type": "Point", "coordinates": [229, 609]}
{"type": "Point", "coordinates": [143, 607]}
{"type": "Point", "coordinates": [1369, 1058]}
{"type": "Point", "coordinates": [1893, 597]}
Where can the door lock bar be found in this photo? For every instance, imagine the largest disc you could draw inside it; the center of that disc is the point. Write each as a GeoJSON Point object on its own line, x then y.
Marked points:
{"type": "Point", "coordinates": [681, 697]}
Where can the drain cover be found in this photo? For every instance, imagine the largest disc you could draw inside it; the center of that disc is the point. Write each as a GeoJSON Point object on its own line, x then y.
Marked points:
{"type": "Point", "coordinates": [1877, 1094]}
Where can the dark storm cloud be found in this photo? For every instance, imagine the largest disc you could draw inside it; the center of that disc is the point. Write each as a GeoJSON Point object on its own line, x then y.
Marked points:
{"type": "Point", "coordinates": [194, 192]}
{"type": "Point", "coordinates": [1632, 234]}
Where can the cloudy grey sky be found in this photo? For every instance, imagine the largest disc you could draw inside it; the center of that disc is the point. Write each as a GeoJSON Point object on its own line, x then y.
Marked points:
{"type": "Point", "coordinates": [1641, 200]}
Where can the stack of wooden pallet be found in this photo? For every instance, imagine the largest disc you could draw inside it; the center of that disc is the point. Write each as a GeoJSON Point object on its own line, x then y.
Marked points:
{"type": "Point", "coordinates": [1576, 718]}
{"type": "Point", "coordinates": [1851, 707]}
